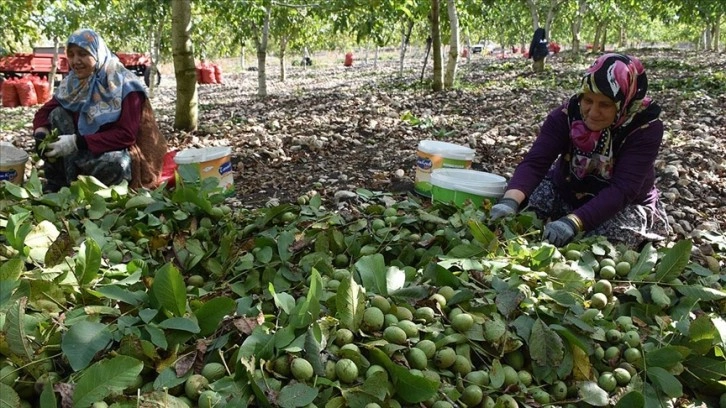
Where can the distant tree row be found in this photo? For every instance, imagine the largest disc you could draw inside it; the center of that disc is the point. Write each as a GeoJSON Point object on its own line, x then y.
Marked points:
{"type": "Point", "coordinates": [190, 30]}
{"type": "Point", "coordinates": [222, 28]}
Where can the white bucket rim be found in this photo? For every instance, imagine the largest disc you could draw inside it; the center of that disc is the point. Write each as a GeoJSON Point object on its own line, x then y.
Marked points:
{"type": "Point", "coordinates": [446, 149]}
{"type": "Point", "coordinates": [461, 176]}
{"type": "Point", "coordinates": [201, 155]}
{"type": "Point", "coordinates": [494, 192]}
{"type": "Point", "coordinates": [13, 156]}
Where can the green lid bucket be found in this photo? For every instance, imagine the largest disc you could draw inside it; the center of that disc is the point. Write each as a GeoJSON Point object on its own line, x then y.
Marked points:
{"type": "Point", "coordinates": [457, 186]}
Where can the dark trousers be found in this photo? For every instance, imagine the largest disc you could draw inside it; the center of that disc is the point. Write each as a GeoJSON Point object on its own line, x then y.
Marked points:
{"type": "Point", "coordinates": [538, 64]}
{"type": "Point", "coordinates": [109, 168]}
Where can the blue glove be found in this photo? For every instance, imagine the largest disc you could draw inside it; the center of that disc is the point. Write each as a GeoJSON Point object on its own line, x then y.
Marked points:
{"type": "Point", "coordinates": [560, 232]}
{"type": "Point", "coordinates": [505, 207]}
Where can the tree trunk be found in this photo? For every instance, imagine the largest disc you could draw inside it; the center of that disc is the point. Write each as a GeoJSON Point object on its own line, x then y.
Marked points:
{"type": "Point", "coordinates": [604, 37]}
{"type": "Point", "coordinates": [551, 13]}
{"type": "Point", "coordinates": [184, 70]}
{"type": "Point", "coordinates": [405, 36]}
{"type": "Point", "coordinates": [717, 33]}
{"type": "Point", "coordinates": [453, 60]}
{"type": "Point", "coordinates": [535, 16]}
{"type": "Point", "coordinates": [53, 66]}
{"type": "Point", "coordinates": [155, 51]}
{"type": "Point", "coordinates": [242, 58]}
{"type": "Point", "coordinates": [438, 81]}
{"type": "Point", "coordinates": [468, 47]}
{"type": "Point", "coordinates": [150, 68]}
{"type": "Point", "coordinates": [598, 35]}
{"type": "Point", "coordinates": [375, 57]}
{"type": "Point", "coordinates": [283, 46]}
{"type": "Point", "coordinates": [261, 40]}
{"type": "Point", "coordinates": [261, 73]}
{"type": "Point", "coordinates": [712, 39]}
{"type": "Point", "coordinates": [577, 25]}
{"type": "Point", "coordinates": [622, 37]}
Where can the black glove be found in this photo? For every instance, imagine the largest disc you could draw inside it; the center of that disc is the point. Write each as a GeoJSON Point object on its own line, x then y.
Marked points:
{"type": "Point", "coordinates": [39, 136]}
{"type": "Point", "coordinates": [505, 207]}
{"type": "Point", "coordinates": [560, 232]}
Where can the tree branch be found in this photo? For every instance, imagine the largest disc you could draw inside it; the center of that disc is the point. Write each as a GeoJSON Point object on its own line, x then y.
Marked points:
{"type": "Point", "coordinates": [295, 6]}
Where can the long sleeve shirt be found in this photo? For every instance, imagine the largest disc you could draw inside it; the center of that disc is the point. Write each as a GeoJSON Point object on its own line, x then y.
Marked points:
{"type": "Point", "coordinates": [117, 135]}
{"type": "Point", "coordinates": [632, 180]}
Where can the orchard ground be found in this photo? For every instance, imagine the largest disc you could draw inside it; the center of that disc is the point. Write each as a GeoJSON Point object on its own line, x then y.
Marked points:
{"type": "Point", "coordinates": [332, 129]}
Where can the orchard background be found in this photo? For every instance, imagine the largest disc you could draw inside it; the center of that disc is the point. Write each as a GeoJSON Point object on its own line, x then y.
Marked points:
{"type": "Point", "coordinates": [323, 281]}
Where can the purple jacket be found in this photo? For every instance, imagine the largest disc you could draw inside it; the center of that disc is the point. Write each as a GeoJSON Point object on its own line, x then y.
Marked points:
{"type": "Point", "coordinates": [595, 201]}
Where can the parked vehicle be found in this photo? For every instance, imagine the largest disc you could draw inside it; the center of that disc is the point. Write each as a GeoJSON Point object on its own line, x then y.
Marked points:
{"type": "Point", "coordinates": [40, 62]}
{"type": "Point", "coordinates": [140, 64]}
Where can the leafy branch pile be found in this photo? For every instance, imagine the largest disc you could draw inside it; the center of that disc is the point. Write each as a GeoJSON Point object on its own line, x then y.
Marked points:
{"type": "Point", "coordinates": [52, 137]}
{"type": "Point", "coordinates": [158, 298]}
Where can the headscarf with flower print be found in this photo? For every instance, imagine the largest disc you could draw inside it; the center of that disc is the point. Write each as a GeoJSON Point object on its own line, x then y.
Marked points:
{"type": "Point", "coordinates": [97, 98]}
{"type": "Point", "coordinates": [619, 77]}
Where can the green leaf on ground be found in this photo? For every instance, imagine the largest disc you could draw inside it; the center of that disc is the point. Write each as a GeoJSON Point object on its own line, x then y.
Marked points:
{"type": "Point", "coordinates": [105, 377]}
{"type": "Point", "coordinates": [411, 388]}
{"type": "Point", "coordinates": [372, 270]}
{"type": "Point", "coordinates": [296, 395]}
{"type": "Point", "coordinates": [674, 262]}
{"type": "Point", "coordinates": [169, 290]}
{"type": "Point", "coordinates": [8, 397]}
{"type": "Point", "coordinates": [592, 394]}
{"type": "Point", "coordinates": [633, 399]}
{"type": "Point", "coordinates": [350, 303]}
{"type": "Point", "coordinates": [212, 312]}
{"type": "Point", "coordinates": [88, 262]}
{"type": "Point", "coordinates": [15, 330]}
{"type": "Point", "coordinates": [664, 381]}
{"type": "Point", "coordinates": [180, 323]}
{"type": "Point", "coordinates": [82, 341]}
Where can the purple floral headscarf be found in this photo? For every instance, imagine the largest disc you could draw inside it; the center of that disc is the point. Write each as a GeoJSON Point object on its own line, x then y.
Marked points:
{"type": "Point", "coordinates": [619, 77]}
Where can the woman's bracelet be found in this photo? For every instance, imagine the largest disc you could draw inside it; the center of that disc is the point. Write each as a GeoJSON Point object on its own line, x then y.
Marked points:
{"type": "Point", "coordinates": [577, 221]}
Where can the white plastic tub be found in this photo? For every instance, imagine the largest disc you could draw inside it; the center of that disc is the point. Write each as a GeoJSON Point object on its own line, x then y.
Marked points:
{"type": "Point", "coordinates": [12, 163]}
{"type": "Point", "coordinates": [434, 155]}
{"type": "Point", "coordinates": [458, 186]}
{"type": "Point", "coordinates": [211, 162]}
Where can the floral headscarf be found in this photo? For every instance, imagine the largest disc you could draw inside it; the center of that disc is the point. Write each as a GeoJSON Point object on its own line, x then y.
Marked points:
{"type": "Point", "coordinates": [619, 77]}
{"type": "Point", "coordinates": [98, 97]}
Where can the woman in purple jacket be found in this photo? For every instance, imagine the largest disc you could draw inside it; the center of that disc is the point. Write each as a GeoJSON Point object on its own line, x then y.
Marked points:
{"type": "Point", "coordinates": [603, 142]}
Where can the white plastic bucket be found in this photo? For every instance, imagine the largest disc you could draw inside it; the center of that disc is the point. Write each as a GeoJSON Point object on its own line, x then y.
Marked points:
{"type": "Point", "coordinates": [12, 163]}
{"type": "Point", "coordinates": [433, 155]}
{"type": "Point", "coordinates": [211, 162]}
{"type": "Point", "coordinates": [459, 185]}
{"type": "Point", "coordinates": [473, 178]}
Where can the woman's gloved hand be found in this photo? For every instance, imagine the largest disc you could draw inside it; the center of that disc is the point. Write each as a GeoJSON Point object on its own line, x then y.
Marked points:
{"type": "Point", "coordinates": [39, 135]}
{"type": "Point", "coordinates": [560, 232]}
{"type": "Point", "coordinates": [505, 206]}
{"type": "Point", "coordinates": [65, 145]}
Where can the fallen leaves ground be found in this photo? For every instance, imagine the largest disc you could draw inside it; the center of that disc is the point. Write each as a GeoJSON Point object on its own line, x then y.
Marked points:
{"type": "Point", "coordinates": [333, 129]}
